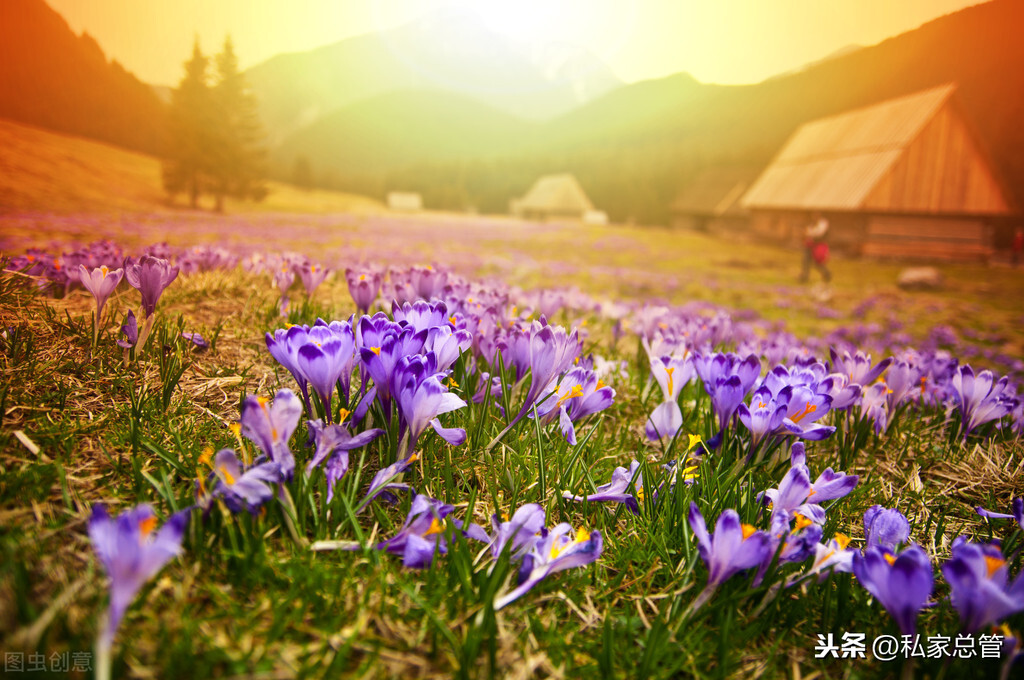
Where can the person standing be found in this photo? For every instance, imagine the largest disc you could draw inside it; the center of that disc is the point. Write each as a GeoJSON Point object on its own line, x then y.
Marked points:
{"type": "Point", "coordinates": [816, 249]}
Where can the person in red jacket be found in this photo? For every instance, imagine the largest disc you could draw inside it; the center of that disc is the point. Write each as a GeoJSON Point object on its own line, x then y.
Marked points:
{"type": "Point", "coordinates": [816, 249]}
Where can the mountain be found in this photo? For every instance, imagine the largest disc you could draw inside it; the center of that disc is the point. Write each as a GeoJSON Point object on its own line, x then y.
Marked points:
{"type": "Point", "coordinates": [55, 79]}
{"type": "Point", "coordinates": [635, 147]}
{"type": "Point", "coordinates": [446, 51]}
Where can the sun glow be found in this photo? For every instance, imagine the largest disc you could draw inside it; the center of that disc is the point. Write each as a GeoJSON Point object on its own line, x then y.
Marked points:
{"type": "Point", "coordinates": [527, 20]}
{"type": "Point", "coordinates": [573, 22]}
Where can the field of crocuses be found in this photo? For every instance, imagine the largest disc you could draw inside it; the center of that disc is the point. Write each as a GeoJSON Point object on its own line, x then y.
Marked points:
{"type": "Point", "coordinates": [249, 462]}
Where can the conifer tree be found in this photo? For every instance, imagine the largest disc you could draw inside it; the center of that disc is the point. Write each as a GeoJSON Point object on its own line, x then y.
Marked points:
{"type": "Point", "coordinates": [237, 155]}
{"type": "Point", "coordinates": [186, 167]}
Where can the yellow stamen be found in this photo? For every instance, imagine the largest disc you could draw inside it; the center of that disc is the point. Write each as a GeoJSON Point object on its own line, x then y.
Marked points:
{"type": "Point", "coordinates": [146, 526]}
{"type": "Point", "coordinates": [414, 457]}
{"type": "Point", "coordinates": [802, 522]}
{"type": "Point", "coordinates": [694, 440]}
{"type": "Point", "coordinates": [435, 528]}
{"type": "Point", "coordinates": [600, 384]}
{"type": "Point", "coordinates": [691, 472]}
{"type": "Point", "coordinates": [993, 564]}
{"type": "Point", "coordinates": [640, 494]}
{"type": "Point", "coordinates": [206, 456]}
{"type": "Point", "coordinates": [842, 540]}
{"type": "Point", "coordinates": [228, 477]}
{"type": "Point", "coordinates": [576, 391]}
{"type": "Point", "coordinates": [761, 404]}
{"type": "Point", "coordinates": [670, 370]}
{"type": "Point", "coordinates": [891, 559]}
{"type": "Point", "coordinates": [362, 277]}
{"type": "Point", "coordinates": [344, 413]}
{"type": "Point", "coordinates": [748, 531]}
{"type": "Point", "coordinates": [104, 271]}
{"type": "Point", "coordinates": [811, 492]}
{"type": "Point", "coordinates": [375, 350]}
{"type": "Point", "coordinates": [504, 517]}
{"type": "Point", "coordinates": [582, 535]}
{"type": "Point", "coordinates": [576, 361]}
{"type": "Point", "coordinates": [810, 408]}
{"type": "Point", "coordinates": [452, 319]}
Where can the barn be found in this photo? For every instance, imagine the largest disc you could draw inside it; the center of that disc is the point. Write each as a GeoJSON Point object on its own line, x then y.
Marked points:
{"type": "Point", "coordinates": [711, 202]}
{"type": "Point", "coordinates": [906, 178]}
{"type": "Point", "coordinates": [554, 197]}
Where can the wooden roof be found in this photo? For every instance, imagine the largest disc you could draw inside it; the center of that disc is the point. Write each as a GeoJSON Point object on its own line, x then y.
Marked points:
{"type": "Point", "coordinates": [557, 194]}
{"type": "Point", "coordinates": [843, 162]}
{"type": "Point", "coordinates": [715, 192]}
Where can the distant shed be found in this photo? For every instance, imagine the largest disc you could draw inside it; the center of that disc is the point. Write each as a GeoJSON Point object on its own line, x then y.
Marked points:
{"type": "Point", "coordinates": [554, 197]}
{"type": "Point", "coordinates": [712, 201]}
{"type": "Point", "coordinates": [905, 178]}
{"type": "Point", "coordinates": [405, 201]}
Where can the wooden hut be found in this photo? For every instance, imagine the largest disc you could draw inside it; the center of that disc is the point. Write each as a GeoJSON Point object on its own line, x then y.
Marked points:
{"type": "Point", "coordinates": [554, 197]}
{"type": "Point", "coordinates": [906, 178]}
{"type": "Point", "coordinates": [712, 201]}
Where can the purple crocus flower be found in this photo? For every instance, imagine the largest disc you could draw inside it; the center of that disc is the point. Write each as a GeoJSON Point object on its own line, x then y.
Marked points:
{"type": "Point", "coordinates": [130, 330]}
{"type": "Point", "coordinates": [421, 398]}
{"type": "Point", "coordinates": [671, 373]}
{"type": "Point", "coordinates": [333, 442]}
{"type": "Point", "coordinates": [1018, 513]}
{"type": "Point", "coordinates": [270, 426]}
{"type": "Point", "coordinates": [447, 344]}
{"type": "Point", "coordinates": [422, 534]}
{"type": "Point", "coordinates": [551, 351]}
{"type": "Point", "coordinates": [241, 488]}
{"type": "Point", "coordinates": [981, 397]}
{"type": "Point", "coordinates": [101, 282]}
{"type": "Point", "coordinates": [383, 482]}
{"type": "Point", "coordinates": [556, 550]}
{"type": "Point", "coordinates": [312, 275]}
{"type": "Point", "coordinates": [380, 361]}
{"type": "Point", "coordinates": [325, 357]}
{"type": "Point", "coordinates": [284, 346]}
{"type": "Point", "coordinates": [901, 583]}
{"type": "Point", "coordinates": [578, 395]}
{"type": "Point", "coordinates": [132, 550]}
{"type": "Point", "coordinates": [832, 556]}
{"type": "Point", "coordinates": [150, 276]}
{"type": "Point", "coordinates": [874, 404]}
{"type": "Point", "coordinates": [885, 527]}
{"type": "Point", "coordinates": [420, 315]}
{"type": "Point", "coordinates": [858, 368]}
{"type": "Point", "coordinates": [764, 416]}
{"type": "Point", "coordinates": [197, 340]}
{"type": "Point", "coordinates": [428, 282]}
{"type": "Point", "coordinates": [796, 494]}
{"type": "Point", "coordinates": [520, 532]}
{"type": "Point", "coordinates": [727, 379]}
{"type": "Point", "coordinates": [733, 547]}
{"type": "Point", "coordinates": [363, 286]}
{"type": "Point", "coordinates": [617, 489]}
{"type": "Point", "coordinates": [979, 583]}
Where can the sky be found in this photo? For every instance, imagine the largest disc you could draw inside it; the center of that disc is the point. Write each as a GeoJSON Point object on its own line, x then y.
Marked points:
{"type": "Point", "coordinates": [717, 41]}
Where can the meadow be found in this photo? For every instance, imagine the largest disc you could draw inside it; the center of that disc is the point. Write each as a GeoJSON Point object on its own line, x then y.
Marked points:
{"type": "Point", "coordinates": [654, 390]}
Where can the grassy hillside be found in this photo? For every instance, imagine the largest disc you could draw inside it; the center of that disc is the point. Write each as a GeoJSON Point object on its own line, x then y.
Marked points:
{"type": "Point", "coordinates": [51, 77]}
{"type": "Point", "coordinates": [53, 172]}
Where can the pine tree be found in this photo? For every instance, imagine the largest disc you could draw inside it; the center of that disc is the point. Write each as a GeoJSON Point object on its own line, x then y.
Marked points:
{"type": "Point", "coordinates": [237, 154]}
{"type": "Point", "coordinates": [191, 120]}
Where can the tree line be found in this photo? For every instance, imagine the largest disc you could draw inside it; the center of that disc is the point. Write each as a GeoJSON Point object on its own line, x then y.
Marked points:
{"type": "Point", "coordinates": [216, 137]}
